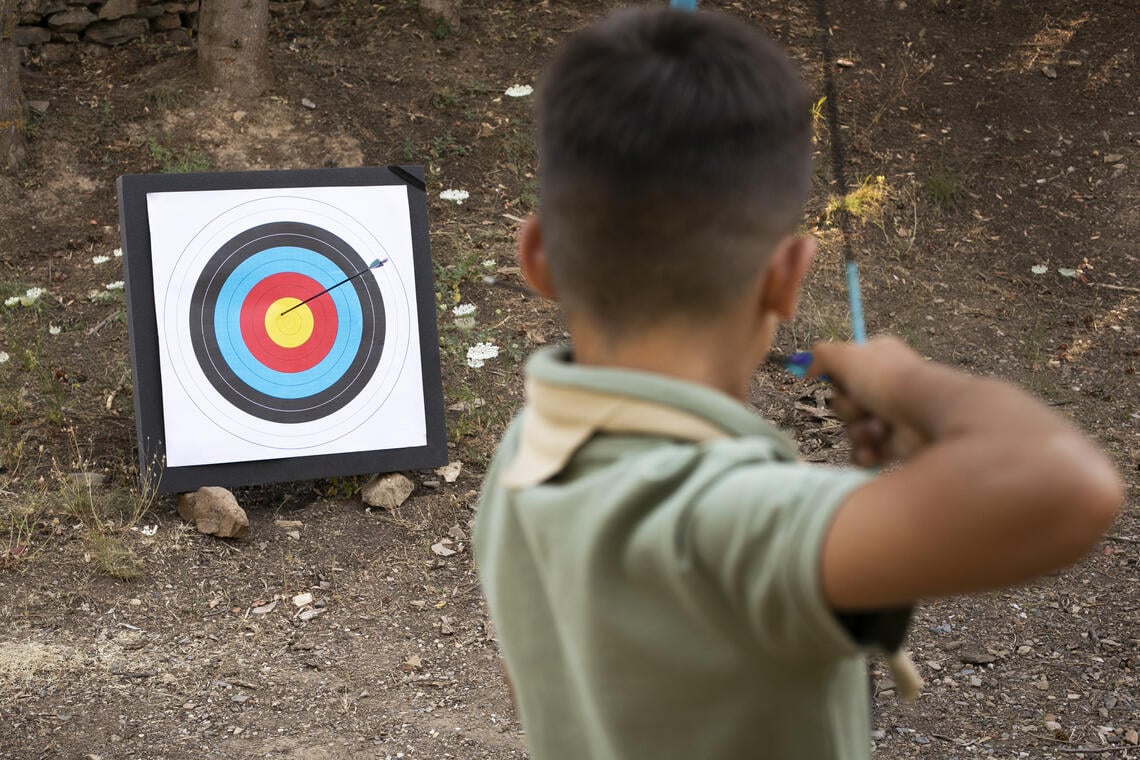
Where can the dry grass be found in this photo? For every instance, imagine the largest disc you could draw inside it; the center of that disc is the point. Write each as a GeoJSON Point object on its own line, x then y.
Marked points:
{"type": "Point", "coordinates": [22, 662]}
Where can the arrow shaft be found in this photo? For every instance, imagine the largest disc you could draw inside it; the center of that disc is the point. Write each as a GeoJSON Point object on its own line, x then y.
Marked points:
{"type": "Point", "coordinates": [350, 278]}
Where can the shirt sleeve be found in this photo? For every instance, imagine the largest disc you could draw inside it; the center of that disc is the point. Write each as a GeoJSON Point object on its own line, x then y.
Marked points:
{"type": "Point", "coordinates": [757, 536]}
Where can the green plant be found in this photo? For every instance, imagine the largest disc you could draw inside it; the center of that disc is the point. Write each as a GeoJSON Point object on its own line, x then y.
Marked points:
{"type": "Point", "coordinates": [944, 188]}
{"type": "Point", "coordinates": [445, 100]}
{"type": "Point", "coordinates": [177, 161]}
{"type": "Point", "coordinates": [163, 96]}
{"type": "Point", "coordinates": [863, 203]}
{"type": "Point", "coordinates": [445, 145]}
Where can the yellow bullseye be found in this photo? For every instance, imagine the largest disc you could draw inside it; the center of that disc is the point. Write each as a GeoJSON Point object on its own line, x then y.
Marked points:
{"type": "Point", "coordinates": [294, 328]}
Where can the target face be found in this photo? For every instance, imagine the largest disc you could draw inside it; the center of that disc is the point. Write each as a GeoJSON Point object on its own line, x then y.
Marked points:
{"type": "Point", "coordinates": [287, 326]}
{"type": "Point", "coordinates": [268, 336]}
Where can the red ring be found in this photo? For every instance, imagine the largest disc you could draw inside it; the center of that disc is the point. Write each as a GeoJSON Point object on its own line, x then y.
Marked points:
{"type": "Point", "coordinates": [276, 357]}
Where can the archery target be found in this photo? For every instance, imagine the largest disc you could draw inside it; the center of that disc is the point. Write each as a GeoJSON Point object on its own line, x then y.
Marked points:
{"type": "Point", "coordinates": [257, 360]}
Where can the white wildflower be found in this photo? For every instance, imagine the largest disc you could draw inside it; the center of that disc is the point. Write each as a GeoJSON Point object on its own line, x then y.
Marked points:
{"type": "Point", "coordinates": [479, 353]}
{"type": "Point", "coordinates": [116, 285]}
{"type": "Point", "coordinates": [4, 357]}
{"type": "Point", "coordinates": [117, 253]}
{"type": "Point", "coordinates": [1039, 269]}
{"type": "Point", "coordinates": [100, 259]}
{"type": "Point", "coordinates": [146, 530]}
{"type": "Point", "coordinates": [54, 329]}
{"type": "Point", "coordinates": [464, 310]}
{"type": "Point", "coordinates": [489, 263]}
{"type": "Point", "coordinates": [11, 301]}
{"type": "Point", "coordinates": [519, 90]}
{"type": "Point", "coordinates": [455, 195]}
{"type": "Point", "coordinates": [31, 296]}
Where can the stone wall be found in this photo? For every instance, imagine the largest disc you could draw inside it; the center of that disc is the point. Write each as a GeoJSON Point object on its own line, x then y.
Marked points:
{"type": "Point", "coordinates": [52, 30]}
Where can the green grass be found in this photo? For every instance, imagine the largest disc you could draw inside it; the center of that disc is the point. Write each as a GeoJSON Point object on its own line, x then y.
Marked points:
{"type": "Point", "coordinates": [944, 188]}
{"type": "Point", "coordinates": [174, 161]}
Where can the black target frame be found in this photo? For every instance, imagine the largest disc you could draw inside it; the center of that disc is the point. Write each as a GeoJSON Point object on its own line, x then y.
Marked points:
{"type": "Point", "coordinates": [143, 327]}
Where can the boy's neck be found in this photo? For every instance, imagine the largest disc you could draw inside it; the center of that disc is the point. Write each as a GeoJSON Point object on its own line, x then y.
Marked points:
{"type": "Point", "coordinates": [720, 356]}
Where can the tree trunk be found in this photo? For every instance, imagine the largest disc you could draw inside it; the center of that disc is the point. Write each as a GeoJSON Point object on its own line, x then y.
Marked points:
{"type": "Point", "coordinates": [13, 115]}
{"type": "Point", "coordinates": [233, 46]}
{"type": "Point", "coordinates": [440, 17]}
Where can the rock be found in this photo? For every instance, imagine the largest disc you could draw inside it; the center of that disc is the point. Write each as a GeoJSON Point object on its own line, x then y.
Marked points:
{"type": "Point", "coordinates": [440, 17]}
{"type": "Point", "coordinates": [113, 9]}
{"type": "Point", "coordinates": [85, 479]}
{"type": "Point", "coordinates": [39, 106]}
{"type": "Point", "coordinates": [450, 472]}
{"type": "Point", "coordinates": [1113, 158]}
{"type": "Point", "coordinates": [74, 20]}
{"type": "Point", "coordinates": [214, 511]}
{"type": "Point", "coordinates": [166, 23]}
{"type": "Point", "coordinates": [1049, 71]}
{"type": "Point", "coordinates": [57, 53]}
{"type": "Point", "coordinates": [150, 11]}
{"type": "Point", "coordinates": [308, 103]}
{"type": "Point", "coordinates": [387, 491]}
{"type": "Point", "coordinates": [116, 32]}
{"type": "Point", "coordinates": [30, 35]}
{"type": "Point", "coordinates": [976, 657]}
{"type": "Point", "coordinates": [291, 8]}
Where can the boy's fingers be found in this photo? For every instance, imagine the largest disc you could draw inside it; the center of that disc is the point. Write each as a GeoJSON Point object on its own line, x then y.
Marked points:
{"type": "Point", "coordinates": [847, 409]}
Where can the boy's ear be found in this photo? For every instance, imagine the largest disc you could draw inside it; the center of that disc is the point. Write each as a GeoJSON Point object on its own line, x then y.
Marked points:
{"type": "Point", "coordinates": [784, 275]}
{"type": "Point", "coordinates": [532, 257]}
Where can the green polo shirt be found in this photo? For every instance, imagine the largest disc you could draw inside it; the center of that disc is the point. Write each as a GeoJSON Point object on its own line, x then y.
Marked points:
{"type": "Point", "coordinates": [655, 586]}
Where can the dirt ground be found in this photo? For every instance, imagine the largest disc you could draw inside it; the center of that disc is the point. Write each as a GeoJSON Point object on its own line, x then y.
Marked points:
{"type": "Point", "coordinates": [997, 148]}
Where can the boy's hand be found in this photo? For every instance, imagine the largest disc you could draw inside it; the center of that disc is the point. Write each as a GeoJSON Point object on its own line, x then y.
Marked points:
{"type": "Point", "coordinates": [996, 487]}
{"type": "Point", "coordinates": [867, 381]}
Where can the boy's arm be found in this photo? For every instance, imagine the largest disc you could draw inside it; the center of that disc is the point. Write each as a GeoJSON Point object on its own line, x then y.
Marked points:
{"type": "Point", "coordinates": [994, 487]}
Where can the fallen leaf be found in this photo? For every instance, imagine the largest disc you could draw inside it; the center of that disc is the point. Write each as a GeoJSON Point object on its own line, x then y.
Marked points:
{"type": "Point", "coordinates": [1039, 269]}
{"type": "Point", "coordinates": [457, 533]}
{"type": "Point", "coordinates": [1066, 272]}
{"type": "Point", "coordinates": [413, 663]}
{"type": "Point", "coordinates": [445, 627]}
{"type": "Point", "coordinates": [301, 600]}
{"type": "Point", "coordinates": [264, 609]}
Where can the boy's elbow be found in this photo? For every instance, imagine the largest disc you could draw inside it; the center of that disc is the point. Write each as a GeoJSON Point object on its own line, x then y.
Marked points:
{"type": "Point", "coordinates": [1094, 497]}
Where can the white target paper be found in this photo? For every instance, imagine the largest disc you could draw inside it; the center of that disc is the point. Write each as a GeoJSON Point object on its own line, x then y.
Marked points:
{"type": "Point", "coordinates": [245, 380]}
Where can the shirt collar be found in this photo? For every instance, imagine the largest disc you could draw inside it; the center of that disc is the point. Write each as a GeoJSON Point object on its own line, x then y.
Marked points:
{"type": "Point", "coordinates": [568, 403]}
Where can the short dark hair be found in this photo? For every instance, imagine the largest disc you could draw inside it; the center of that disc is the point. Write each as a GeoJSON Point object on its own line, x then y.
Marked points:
{"type": "Point", "coordinates": [674, 152]}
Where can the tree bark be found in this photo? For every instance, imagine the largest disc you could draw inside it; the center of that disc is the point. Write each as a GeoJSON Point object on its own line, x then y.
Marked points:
{"type": "Point", "coordinates": [440, 17]}
{"type": "Point", "coordinates": [13, 109]}
{"type": "Point", "coordinates": [233, 46]}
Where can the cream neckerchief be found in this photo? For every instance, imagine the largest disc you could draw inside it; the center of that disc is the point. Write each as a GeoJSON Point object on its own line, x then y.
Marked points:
{"type": "Point", "coordinates": [560, 419]}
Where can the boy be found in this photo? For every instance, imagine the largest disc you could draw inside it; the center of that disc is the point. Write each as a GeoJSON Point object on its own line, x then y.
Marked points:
{"type": "Point", "coordinates": [665, 578]}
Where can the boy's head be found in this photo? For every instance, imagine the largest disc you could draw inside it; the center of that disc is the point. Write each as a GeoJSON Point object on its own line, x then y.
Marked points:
{"type": "Point", "coordinates": [674, 154]}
